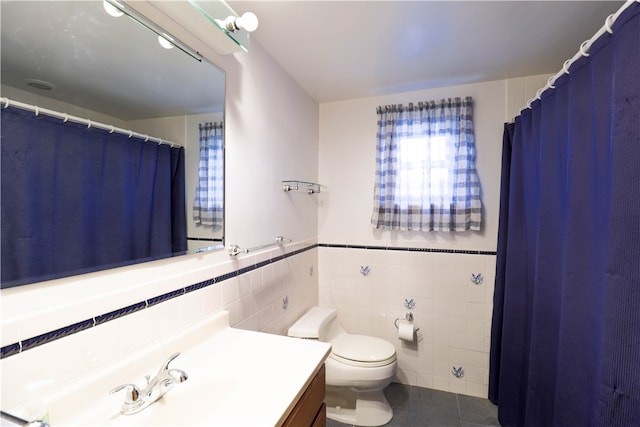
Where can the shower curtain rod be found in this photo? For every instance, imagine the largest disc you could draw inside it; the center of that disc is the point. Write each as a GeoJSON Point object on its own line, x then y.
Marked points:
{"type": "Point", "coordinates": [6, 103]}
{"type": "Point", "coordinates": [583, 51]}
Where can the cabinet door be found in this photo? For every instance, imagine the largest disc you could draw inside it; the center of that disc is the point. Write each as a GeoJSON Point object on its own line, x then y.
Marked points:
{"type": "Point", "coordinates": [310, 409]}
{"type": "Point", "coordinates": [321, 417]}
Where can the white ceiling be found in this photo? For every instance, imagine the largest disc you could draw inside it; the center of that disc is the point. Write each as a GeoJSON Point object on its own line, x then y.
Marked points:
{"type": "Point", "coordinates": [334, 49]}
{"type": "Point", "coordinates": [349, 49]}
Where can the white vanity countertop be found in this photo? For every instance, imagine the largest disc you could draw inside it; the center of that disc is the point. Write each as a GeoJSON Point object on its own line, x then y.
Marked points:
{"type": "Point", "coordinates": [236, 378]}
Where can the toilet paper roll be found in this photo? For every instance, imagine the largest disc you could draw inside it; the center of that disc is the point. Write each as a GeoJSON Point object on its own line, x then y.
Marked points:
{"type": "Point", "coordinates": [406, 331]}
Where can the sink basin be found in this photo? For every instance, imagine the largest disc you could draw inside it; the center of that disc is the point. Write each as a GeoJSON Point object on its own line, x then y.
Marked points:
{"type": "Point", "coordinates": [236, 378]}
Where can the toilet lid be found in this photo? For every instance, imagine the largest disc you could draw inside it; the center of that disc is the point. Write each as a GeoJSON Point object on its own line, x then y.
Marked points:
{"type": "Point", "coordinates": [362, 350]}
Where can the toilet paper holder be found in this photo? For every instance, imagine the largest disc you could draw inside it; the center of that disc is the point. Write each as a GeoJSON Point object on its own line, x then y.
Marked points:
{"type": "Point", "coordinates": [408, 316]}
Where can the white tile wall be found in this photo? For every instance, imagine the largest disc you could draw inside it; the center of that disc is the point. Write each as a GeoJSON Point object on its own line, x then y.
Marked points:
{"type": "Point", "coordinates": [453, 314]}
{"type": "Point", "coordinates": [253, 299]}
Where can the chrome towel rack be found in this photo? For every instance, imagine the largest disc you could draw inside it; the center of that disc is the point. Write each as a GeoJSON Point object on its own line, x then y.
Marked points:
{"type": "Point", "coordinates": [235, 250]}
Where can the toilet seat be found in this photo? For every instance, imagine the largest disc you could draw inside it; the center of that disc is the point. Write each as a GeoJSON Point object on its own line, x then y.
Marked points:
{"type": "Point", "coordinates": [362, 350]}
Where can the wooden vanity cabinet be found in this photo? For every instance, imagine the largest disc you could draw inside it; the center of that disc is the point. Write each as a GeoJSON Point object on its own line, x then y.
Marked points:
{"type": "Point", "coordinates": [310, 411]}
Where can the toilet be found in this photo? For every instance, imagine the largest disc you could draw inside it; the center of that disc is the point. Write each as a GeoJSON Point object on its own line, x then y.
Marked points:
{"type": "Point", "coordinates": [357, 370]}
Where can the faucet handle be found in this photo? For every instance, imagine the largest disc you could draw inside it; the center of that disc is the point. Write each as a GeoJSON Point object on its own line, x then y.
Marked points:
{"type": "Point", "coordinates": [132, 393]}
{"type": "Point", "coordinates": [165, 366]}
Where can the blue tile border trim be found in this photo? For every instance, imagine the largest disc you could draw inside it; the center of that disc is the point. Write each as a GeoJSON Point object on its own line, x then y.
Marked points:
{"type": "Point", "coordinates": [29, 343]}
{"type": "Point", "coordinates": [103, 318]}
{"type": "Point", "coordinates": [11, 349]}
{"type": "Point", "coordinates": [58, 333]}
{"type": "Point", "coordinates": [165, 297]}
{"type": "Point", "coordinates": [407, 249]}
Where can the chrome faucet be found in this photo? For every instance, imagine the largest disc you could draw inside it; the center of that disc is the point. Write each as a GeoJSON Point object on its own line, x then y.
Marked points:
{"type": "Point", "coordinates": [136, 400]}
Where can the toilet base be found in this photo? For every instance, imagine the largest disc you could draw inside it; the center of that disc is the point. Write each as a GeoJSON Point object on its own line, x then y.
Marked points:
{"type": "Point", "coordinates": [357, 407]}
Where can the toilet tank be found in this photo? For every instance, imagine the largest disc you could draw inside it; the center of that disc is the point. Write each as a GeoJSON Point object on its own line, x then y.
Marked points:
{"type": "Point", "coordinates": [314, 324]}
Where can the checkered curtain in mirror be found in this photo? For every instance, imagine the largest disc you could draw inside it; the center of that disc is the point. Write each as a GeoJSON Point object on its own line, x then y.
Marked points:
{"type": "Point", "coordinates": [208, 206]}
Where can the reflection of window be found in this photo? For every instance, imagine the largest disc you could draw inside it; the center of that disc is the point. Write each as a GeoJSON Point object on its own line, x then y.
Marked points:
{"type": "Point", "coordinates": [425, 174]}
{"type": "Point", "coordinates": [208, 206]}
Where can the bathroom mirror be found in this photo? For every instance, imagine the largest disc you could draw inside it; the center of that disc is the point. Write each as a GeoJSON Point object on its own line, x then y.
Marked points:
{"type": "Point", "coordinates": [75, 58]}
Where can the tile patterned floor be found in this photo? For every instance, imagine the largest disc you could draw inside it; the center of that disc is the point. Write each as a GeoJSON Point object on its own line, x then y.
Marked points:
{"type": "Point", "coordinates": [423, 407]}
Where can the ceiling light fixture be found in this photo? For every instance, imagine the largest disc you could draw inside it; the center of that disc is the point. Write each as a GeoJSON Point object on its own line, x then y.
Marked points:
{"type": "Point", "coordinates": [40, 84]}
{"type": "Point", "coordinates": [248, 22]}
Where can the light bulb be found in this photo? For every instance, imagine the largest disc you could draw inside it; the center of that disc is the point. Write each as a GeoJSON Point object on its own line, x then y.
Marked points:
{"type": "Point", "coordinates": [164, 42]}
{"type": "Point", "coordinates": [111, 9]}
{"type": "Point", "coordinates": [248, 22]}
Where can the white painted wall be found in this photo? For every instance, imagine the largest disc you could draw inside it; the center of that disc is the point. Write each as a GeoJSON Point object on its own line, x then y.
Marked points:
{"type": "Point", "coordinates": [519, 91]}
{"type": "Point", "coordinates": [272, 135]}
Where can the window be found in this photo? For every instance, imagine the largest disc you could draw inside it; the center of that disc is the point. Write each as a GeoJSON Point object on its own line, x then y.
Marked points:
{"type": "Point", "coordinates": [419, 156]}
{"type": "Point", "coordinates": [425, 171]}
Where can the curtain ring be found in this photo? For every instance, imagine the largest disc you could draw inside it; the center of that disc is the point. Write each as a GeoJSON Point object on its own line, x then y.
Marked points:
{"type": "Point", "coordinates": [6, 103]}
{"type": "Point", "coordinates": [550, 82]}
{"type": "Point", "coordinates": [146, 138]}
{"type": "Point", "coordinates": [89, 124]}
{"type": "Point", "coordinates": [112, 129]}
{"type": "Point", "coordinates": [565, 66]}
{"type": "Point", "coordinates": [36, 110]}
{"type": "Point", "coordinates": [529, 103]}
{"type": "Point", "coordinates": [539, 92]}
{"type": "Point", "coordinates": [66, 118]}
{"type": "Point", "coordinates": [583, 51]}
{"type": "Point", "coordinates": [607, 24]}
{"type": "Point", "coordinates": [130, 134]}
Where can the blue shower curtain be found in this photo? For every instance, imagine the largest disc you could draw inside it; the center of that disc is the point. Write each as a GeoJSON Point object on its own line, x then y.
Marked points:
{"type": "Point", "coordinates": [565, 344]}
{"type": "Point", "coordinates": [78, 199]}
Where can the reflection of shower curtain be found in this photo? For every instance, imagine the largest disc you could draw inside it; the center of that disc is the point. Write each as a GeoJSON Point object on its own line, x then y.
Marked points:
{"type": "Point", "coordinates": [208, 207]}
{"type": "Point", "coordinates": [565, 345]}
{"type": "Point", "coordinates": [78, 199]}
